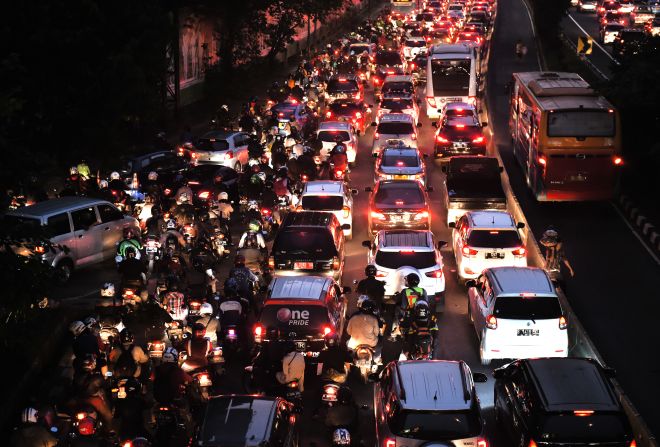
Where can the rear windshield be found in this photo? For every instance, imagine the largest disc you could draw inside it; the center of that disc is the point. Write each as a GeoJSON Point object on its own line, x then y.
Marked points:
{"type": "Point", "coordinates": [395, 128]}
{"type": "Point", "coordinates": [481, 167]}
{"type": "Point", "coordinates": [414, 259]}
{"type": "Point", "coordinates": [424, 17]}
{"type": "Point", "coordinates": [400, 161]}
{"type": "Point", "coordinates": [401, 196]}
{"type": "Point", "coordinates": [336, 85]}
{"type": "Point", "coordinates": [415, 43]}
{"type": "Point", "coordinates": [286, 316]}
{"type": "Point", "coordinates": [322, 203]}
{"type": "Point", "coordinates": [524, 308]}
{"type": "Point", "coordinates": [494, 239]}
{"type": "Point", "coordinates": [436, 425]}
{"type": "Point", "coordinates": [212, 145]}
{"type": "Point", "coordinates": [313, 242]}
{"type": "Point", "coordinates": [388, 58]}
{"type": "Point", "coordinates": [333, 136]}
{"type": "Point", "coordinates": [581, 123]}
{"type": "Point", "coordinates": [594, 428]}
{"type": "Point", "coordinates": [398, 87]}
{"type": "Point", "coordinates": [345, 108]}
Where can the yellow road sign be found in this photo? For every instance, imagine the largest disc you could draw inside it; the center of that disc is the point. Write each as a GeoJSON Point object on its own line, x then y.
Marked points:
{"type": "Point", "coordinates": [585, 45]}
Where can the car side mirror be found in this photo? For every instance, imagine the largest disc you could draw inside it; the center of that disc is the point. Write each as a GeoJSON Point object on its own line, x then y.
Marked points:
{"type": "Point", "coordinates": [434, 124]}
{"type": "Point", "coordinates": [425, 155]}
{"type": "Point", "coordinates": [419, 124]}
{"type": "Point", "coordinates": [520, 225]}
{"type": "Point", "coordinates": [484, 124]}
{"type": "Point", "coordinates": [470, 283]}
{"type": "Point", "coordinates": [375, 155]}
{"type": "Point", "coordinates": [367, 189]}
{"type": "Point", "coordinates": [347, 289]}
{"type": "Point", "coordinates": [373, 377]}
{"type": "Point", "coordinates": [354, 191]}
{"type": "Point", "coordinates": [452, 225]}
{"type": "Point", "coordinates": [499, 373]}
{"type": "Point", "coordinates": [373, 124]}
{"type": "Point", "coordinates": [480, 377]}
{"type": "Point", "coordinates": [346, 226]}
{"type": "Point", "coordinates": [366, 244]}
{"type": "Point", "coordinates": [441, 244]}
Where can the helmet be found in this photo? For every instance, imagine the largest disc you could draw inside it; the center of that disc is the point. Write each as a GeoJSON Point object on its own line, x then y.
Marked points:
{"type": "Point", "coordinates": [262, 176]}
{"type": "Point", "coordinates": [421, 310]}
{"type": "Point", "coordinates": [225, 107]}
{"type": "Point", "coordinates": [89, 363]}
{"type": "Point", "coordinates": [370, 270]}
{"type": "Point", "coordinates": [341, 436]}
{"type": "Point", "coordinates": [254, 226]}
{"type": "Point", "coordinates": [298, 150]}
{"type": "Point", "coordinates": [289, 142]}
{"type": "Point", "coordinates": [29, 415]}
{"type": "Point", "coordinates": [103, 184]}
{"type": "Point", "coordinates": [126, 337]}
{"type": "Point", "coordinates": [255, 179]}
{"type": "Point", "coordinates": [206, 309]}
{"type": "Point", "coordinates": [239, 260]}
{"type": "Point", "coordinates": [108, 289]}
{"type": "Point", "coordinates": [339, 149]}
{"type": "Point", "coordinates": [274, 130]}
{"type": "Point", "coordinates": [188, 145]}
{"type": "Point", "coordinates": [209, 273]}
{"type": "Point", "coordinates": [289, 346]}
{"type": "Point", "coordinates": [223, 196]}
{"type": "Point", "coordinates": [231, 286]}
{"type": "Point", "coordinates": [153, 176]}
{"type": "Point", "coordinates": [368, 306]}
{"type": "Point", "coordinates": [199, 329]}
{"type": "Point", "coordinates": [253, 205]}
{"type": "Point", "coordinates": [77, 328]}
{"type": "Point", "coordinates": [550, 237]}
{"type": "Point", "coordinates": [331, 339]}
{"type": "Point", "coordinates": [90, 322]}
{"type": "Point", "coordinates": [412, 280]}
{"type": "Point", "coordinates": [114, 175]}
{"type": "Point", "coordinates": [171, 224]}
{"type": "Point", "coordinates": [170, 355]}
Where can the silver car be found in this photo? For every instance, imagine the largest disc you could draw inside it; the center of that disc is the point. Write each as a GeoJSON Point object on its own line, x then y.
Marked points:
{"type": "Point", "coordinates": [222, 148]}
{"type": "Point", "coordinates": [394, 129]}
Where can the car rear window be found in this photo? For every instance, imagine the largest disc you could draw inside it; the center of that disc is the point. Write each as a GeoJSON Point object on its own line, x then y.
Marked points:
{"type": "Point", "coordinates": [527, 307]}
{"type": "Point", "coordinates": [402, 196]}
{"type": "Point", "coordinates": [322, 203]}
{"type": "Point", "coordinates": [388, 58]}
{"type": "Point", "coordinates": [345, 108]}
{"type": "Point", "coordinates": [405, 88]}
{"type": "Point", "coordinates": [308, 241]}
{"type": "Point", "coordinates": [287, 316]}
{"type": "Point", "coordinates": [414, 259]}
{"type": "Point", "coordinates": [400, 161]}
{"type": "Point", "coordinates": [494, 239]}
{"type": "Point", "coordinates": [436, 425]}
{"type": "Point", "coordinates": [568, 427]}
{"type": "Point", "coordinates": [333, 136]}
{"type": "Point", "coordinates": [212, 145]}
{"type": "Point", "coordinates": [347, 85]}
{"type": "Point", "coordinates": [395, 128]}
{"type": "Point", "coordinates": [415, 43]}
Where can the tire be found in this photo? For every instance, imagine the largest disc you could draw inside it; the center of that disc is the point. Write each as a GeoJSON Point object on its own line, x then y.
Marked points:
{"type": "Point", "coordinates": [63, 272]}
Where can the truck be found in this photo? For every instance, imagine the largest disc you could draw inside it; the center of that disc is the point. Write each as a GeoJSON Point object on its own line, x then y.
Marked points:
{"type": "Point", "coordinates": [473, 183]}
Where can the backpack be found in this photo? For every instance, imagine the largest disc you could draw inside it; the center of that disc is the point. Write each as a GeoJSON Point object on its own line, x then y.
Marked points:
{"type": "Point", "coordinates": [125, 365]}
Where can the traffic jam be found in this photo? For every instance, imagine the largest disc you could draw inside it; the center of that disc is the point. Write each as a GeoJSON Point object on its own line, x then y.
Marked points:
{"type": "Point", "coordinates": [338, 264]}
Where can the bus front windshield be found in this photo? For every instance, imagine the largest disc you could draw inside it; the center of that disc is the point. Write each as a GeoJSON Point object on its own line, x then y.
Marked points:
{"type": "Point", "coordinates": [451, 77]}
{"type": "Point", "coordinates": [581, 123]}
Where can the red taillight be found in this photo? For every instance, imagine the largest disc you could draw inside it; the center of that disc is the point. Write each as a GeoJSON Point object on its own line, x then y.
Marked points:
{"type": "Point", "coordinates": [128, 293]}
{"type": "Point", "coordinates": [618, 161]}
{"type": "Point", "coordinates": [265, 211]}
{"type": "Point", "coordinates": [271, 263]}
{"type": "Point", "coordinates": [468, 251]}
{"type": "Point", "coordinates": [434, 274]}
{"type": "Point", "coordinates": [633, 443]}
{"type": "Point", "coordinates": [357, 95]}
{"type": "Point", "coordinates": [204, 195]}
{"type": "Point", "coordinates": [481, 442]}
{"type": "Point", "coordinates": [491, 322]}
{"type": "Point", "coordinates": [358, 115]}
{"type": "Point", "coordinates": [167, 191]}
{"type": "Point", "coordinates": [542, 161]}
{"type": "Point", "coordinates": [229, 155]}
{"type": "Point", "coordinates": [377, 215]}
{"type": "Point", "coordinates": [40, 249]}
{"type": "Point", "coordinates": [519, 252]}
{"type": "Point", "coordinates": [563, 324]}
{"type": "Point", "coordinates": [376, 80]}
{"type": "Point", "coordinates": [441, 139]}
{"type": "Point", "coordinates": [335, 263]}
{"type": "Point", "coordinates": [532, 443]}
{"type": "Point", "coordinates": [389, 442]}
{"type": "Point", "coordinates": [478, 140]}
{"type": "Point", "coordinates": [381, 274]}
{"type": "Point", "coordinates": [231, 331]}
{"type": "Point", "coordinates": [460, 126]}
{"type": "Point", "coordinates": [376, 136]}
{"type": "Point", "coordinates": [431, 101]}
{"type": "Point", "coordinates": [328, 114]}
{"type": "Point", "coordinates": [412, 66]}
{"type": "Point", "coordinates": [326, 330]}
{"type": "Point", "coordinates": [258, 330]}
{"type": "Point", "coordinates": [194, 155]}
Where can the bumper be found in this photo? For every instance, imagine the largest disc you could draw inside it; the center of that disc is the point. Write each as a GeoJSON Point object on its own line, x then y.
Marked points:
{"type": "Point", "coordinates": [492, 351]}
{"type": "Point", "coordinates": [336, 274]}
{"type": "Point", "coordinates": [432, 286]}
{"type": "Point", "coordinates": [469, 269]}
{"type": "Point", "coordinates": [374, 227]}
{"type": "Point", "coordinates": [587, 7]}
{"type": "Point", "coordinates": [450, 151]}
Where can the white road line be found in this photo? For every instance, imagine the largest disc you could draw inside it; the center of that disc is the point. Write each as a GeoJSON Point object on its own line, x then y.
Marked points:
{"type": "Point", "coordinates": [595, 42]}
{"type": "Point", "coordinates": [531, 22]}
{"type": "Point", "coordinates": [639, 238]}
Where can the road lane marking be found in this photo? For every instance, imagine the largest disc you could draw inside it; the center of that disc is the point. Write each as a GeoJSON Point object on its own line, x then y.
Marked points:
{"type": "Point", "coordinates": [531, 22]}
{"type": "Point", "coordinates": [632, 230]}
{"type": "Point", "coordinates": [595, 41]}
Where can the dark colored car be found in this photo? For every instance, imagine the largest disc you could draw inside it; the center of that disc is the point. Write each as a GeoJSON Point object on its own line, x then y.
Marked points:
{"type": "Point", "coordinates": [559, 401]}
{"type": "Point", "coordinates": [242, 421]}
{"type": "Point", "coordinates": [206, 181]}
{"type": "Point", "coordinates": [460, 136]}
{"type": "Point", "coordinates": [387, 63]}
{"type": "Point", "coordinates": [628, 42]}
{"type": "Point", "coordinates": [398, 204]}
{"type": "Point", "coordinates": [356, 112]}
{"type": "Point", "coordinates": [344, 87]}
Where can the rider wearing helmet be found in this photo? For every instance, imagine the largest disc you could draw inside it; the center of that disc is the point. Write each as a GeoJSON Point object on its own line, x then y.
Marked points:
{"type": "Point", "coordinates": [130, 240]}
{"type": "Point", "coordinates": [253, 238]}
{"type": "Point", "coordinates": [339, 159]}
{"type": "Point", "coordinates": [363, 327]}
{"type": "Point", "coordinates": [198, 348]}
{"type": "Point", "coordinates": [423, 324]}
{"type": "Point", "coordinates": [184, 194]}
{"type": "Point", "coordinates": [85, 343]}
{"type": "Point", "coordinates": [174, 303]}
{"type": "Point", "coordinates": [210, 322]}
{"type": "Point", "coordinates": [170, 380]}
{"type": "Point", "coordinates": [32, 432]}
{"type": "Point", "coordinates": [244, 277]}
{"type": "Point", "coordinates": [293, 366]}
{"type": "Point", "coordinates": [334, 362]}
{"type": "Point", "coordinates": [128, 357]}
{"type": "Point", "coordinates": [372, 287]}
{"type": "Point", "coordinates": [132, 269]}
{"type": "Point", "coordinates": [412, 292]}
{"type": "Point", "coordinates": [116, 184]}
{"type": "Point", "coordinates": [555, 259]}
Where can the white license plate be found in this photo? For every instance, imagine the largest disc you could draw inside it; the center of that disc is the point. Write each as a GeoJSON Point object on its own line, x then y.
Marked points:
{"type": "Point", "coordinates": [281, 125]}
{"type": "Point", "coordinates": [527, 332]}
{"type": "Point", "coordinates": [152, 249]}
{"type": "Point", "coordinates": [495, 255]}
{"type": "Point", "coordinates": [396, 218]}
{"type": "Point", "coordinates": [301, 345]}
{"type": "Point", "coordinates": [460, 145]}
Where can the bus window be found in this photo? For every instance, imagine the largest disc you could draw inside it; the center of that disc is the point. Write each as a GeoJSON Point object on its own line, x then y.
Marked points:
{"type": "Point", "coordinates": [450, 77]}
{"type": "Point", "coordinates": [581, 123]}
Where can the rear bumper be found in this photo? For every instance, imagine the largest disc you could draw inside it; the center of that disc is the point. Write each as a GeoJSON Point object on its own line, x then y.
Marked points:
{"type": "Point", "coordinates": [471, 269]}
{"type": "Point", "coordinates": [449, 151]}
{"type": "Point", "coordinates": [493, 351]}
{"type": "Point", "coordinates": [375, 227]}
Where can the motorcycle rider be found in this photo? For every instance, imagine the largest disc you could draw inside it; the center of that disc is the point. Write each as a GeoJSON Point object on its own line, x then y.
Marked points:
{"type": "Point", "coordinates": [32, 433]}
{"type": "Point", "coordinates": [232, 307]}
{"type": "Point", "coordinates": [198, 348]}
{"type": "Point", "coordinates": [244, 277]}
{"type": "Point", "coordinates": [130, 240]}
{"type": "Point", "coordinates": [269, 201]}
{"type": "Point", "coordinates": [372, 287]}
{"type": "Point", "coordinates": [364, 328]}
{"type": "Point", "coordinates": [132, 270]}
{"type": "Point", "coordinates": [423, 324]}
{"type": "Point", "coordinates": [169, 379]}
{"type": "Point", "coordinates": [335, 361]}
{"type": "Point", "coordinates": [252, 238]}
{"type": "Point", "coordinates": [151, 186]}
{"type": "Point", "coordinates": [127, 358]}
{"type": "Point", "coordinates": [95, 399]}
{"type": "Point", "coordinates": [84, 341]}
{"type": "Point", "coordinates": [184, 211]}
{"type": "Point", "coordinates": [343, 415]}
{"type": "Point", "coordinates": [155, 225]}
{"type": "Point", "coordinates": [210, 322]}
{"type": "Point", "coordinates": [116, 184]}
{"type": "Point", "coordinates": [83, 170]}
{"type": "Point", "coordinates": [222, 118]}
{"type": "Point", "coordinates": [408, 297]}
{"type": "Point", "coordinates": [293, 366]}
{"type": "Point", "coordinates": [555, 259]}
{"type": "Point", "coordinates": [339, 160]}
{"type": "Point", "coordinates": [130, 411]}
{"type": "Point", "coordinates": [306, 163]}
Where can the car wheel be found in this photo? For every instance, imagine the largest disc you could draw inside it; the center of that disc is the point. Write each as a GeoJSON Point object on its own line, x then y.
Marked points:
{"type": "Point", "coordinates": [63, 272]}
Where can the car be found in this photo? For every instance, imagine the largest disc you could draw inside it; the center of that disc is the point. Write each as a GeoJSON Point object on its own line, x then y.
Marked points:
{"type": "Point", "coordinates": [428, 402]}
{"type": "Point", "coordinates": [69, 233]}
{"type": "Point", "coordinates": [394, 129]}
{"type": "Point", "coordinates": [609, 32]}
{"type": "Point", "coordinates": [587, 5]}
{"type": "Point", "coordinates": [206, 181]}
{"type": "Point", "coordinates": [330, 133]}
{"type": "Point", "coordinates": [398, 204]}
{"type": "Point", "coordinates": [469, 37]}
{"type": "Point", "coordinates": [386, 62]}
{"type": "Point", "coordinates": [141, 163]}
{"type": "Point", "coordinates": [344, 86]}
{"type": "Point", "coordinates": [652, 28]}
{"type": "Point", "coordinates": [627, 6]}
{"type": "Point", "coordinates": [355, 112]}
{"type": "Point", "coordinates": [246, 419]}
{"type": "Point", "coordinates": [608, 5]}
{"type": "Point", "coordinates": [413, 46]}
{"type": "Point", "coordinates": [483, 239]}
{"type": "Point", "coordinates": [568, 401]}
{"type": "Point", "coordinates": [397, 253]}
{"type": "Point", "coordinates": [303, 309]}
{"type": "Point", "coordinates": [222, 148]}
{"type": "Point", "coordinates": [416, 68]}
{"type": "Point", "coordinates": [458, 109]}
{"type": "Point", "coordinates": [456, 17]}
{"type": "Point", "coordinates": [426, 18]}
{"type": "Point", "coordinates": [641, 15]}
{"type": "Point", "coordinates": [398, 85]}
{"type": "Point", "coordinates": [292, 112]}
{"type": "Point", "coordinates": [460, 136]}
{"type": "Point", "coordinates": [309, 243]}
{"type": "Point", "coordinates": [456, 7]}
{"type": "Point", "coordinates": [612, 17]}
{"type": "Point", "coordinates": [169, 166]}
{"type": "Point", "coordinates": [330, 196]}
{"type": "Point", "coordinates": [400, 163]}
{"type": "Point", "coordinates": [516, 314]}
{"type": "Point", "coordinates": [398, 104]}
{"type": "Point", "coordinates": [628, 42]}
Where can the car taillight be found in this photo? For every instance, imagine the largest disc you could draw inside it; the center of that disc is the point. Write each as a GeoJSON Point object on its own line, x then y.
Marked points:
{"type": "Point", "coordinates": [390, 442]}
{"type": "Point", "coordinates": [532, 443]}
{"type": "Point", "coordinates": [376, 80]}
{"type": "Point", "coordinates": [519, 252]}
{"type": "Point", "coordinates": [347, 212]}
{"type": "Point", "coordinates": [542, 161]}
{"type": "Point", "coordinates": [167, 191]}
{"type": "Point", "coordinates": [265, 211]}
{"type": "Point", "coordinates": [413, 136]}
{"type": "Point", "coordinates": [633, 443]}
{"type": "Point", "coordinates": [128, 292]}
{"type": "Point", "coordinates": [618, 161]}
{"type": "Point", "coordinates": [357, 95]}
{"type": "Point", "coordinates": [229, 155]}
{"type": "Point", "coordinates": [358, 115]}
{"type": "Point", "coordinates": [478, 140]}
{"type": "Point", "coordinates": [377, 215]}
{"type": "Point", "coordinates": [422, 215]}
{"type": "Point", "coordinates": [491, 322]}
{"type": "Point", "coordinates": [271, 262]}
{"type": "Point", "coordinates": [563, 324]}
{"type": "Point", "coordinates": [434, 274]}
{"type": "Point", "coordinates": [441, 139]}
{"type": "Point", "coordinates": [40, 249]}
{"type": "Point", "coordinates": [481, 442]}
{"type": "Point", "coordinates": [335, 263]}
{"type": "Point", "coordinates": [469, 251]}
{"type": "Point", "coordinates": [326, 330]}
{"type": "Point", "coordinates": [204, 195]}
{"type": "Point", "coordinates": [431, 101]}
{"type": "Point", "coordinates": [258, 332]}
{"type": "Point", "coordinates": [328, 114]}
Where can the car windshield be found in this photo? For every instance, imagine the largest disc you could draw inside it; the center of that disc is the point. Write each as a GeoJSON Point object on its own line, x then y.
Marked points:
{"type": "Point", "coordinates": [400, 195]}
{"type": "Point", "coordinates": [388, 58]}
{"type": "Point", "coordinates": [436, 425]}
{"type": "Point", "coordinates": [527, 307]}
{"type": "Point", "coordinates": [450, 77]}
{"type": "Point", "coordinates": [494, 239]}
{"type": "Point", "coordinates": [342, 85]}
{"type": "Point", "coordinates": [426, 17]}
{"type": "Point", "coordinates": [211, 144]}
{"type": "Point", "coordinates": [414, 259]}
{"type": "Point", "coordinates": [322, 203]}
{"type": "Point", "coordinates": [308, 241]}
{"type": "Point", "coordinates": [395, 128]}
{"type": "Point", "coordinates": [391, 158]}
{"type": "Point", "coordinates": [333, 136]}
{"type": "Point", "coordinates": [570, 428]}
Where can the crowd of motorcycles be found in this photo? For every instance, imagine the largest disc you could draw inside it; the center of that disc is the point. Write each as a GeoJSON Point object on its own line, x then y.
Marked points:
{"type": "Point", "coordinates": [151, 390]}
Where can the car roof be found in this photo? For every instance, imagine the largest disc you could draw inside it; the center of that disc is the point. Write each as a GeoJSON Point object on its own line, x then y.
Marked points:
{"type": "Point", "coordinates": [417, 38]}
{"type": "Point", "coordinates": [400, 183]}
{"type": "Point", "coordinates": [396, 117]}
{"type": "Point", "coordinates": [54, 206]}
{"type": "Point", "coordinates": [398, 78]}
{"type": "Point", "coordinates": [571, 384]}
{"type": "Point", "coordinates": [309, 288]}
{"type": "Point", "coordinates": [217, 134]}
{"type": "Point", "coordinates": [239, 419]}
{"type": "Point", "coordinates": [519, 280]}
{"type": "Point", "coordinates": [433, 385]}
{"type": "Point", "coordinates": [323, 187]}
{"type": "Point", "coordinates": [334, 125]}
{"type": "Point", "coordinates": [308, 219]}
{"type": "Point", "coordinates": [344, 76]}
{"type": "Point", "coordinates": [490, 219]}
{"type": "Point", "coordinates": [405, 239]}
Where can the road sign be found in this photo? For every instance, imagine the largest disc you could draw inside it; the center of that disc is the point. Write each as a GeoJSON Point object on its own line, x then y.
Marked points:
{"type": "Point", "coordinates": [585, 45]}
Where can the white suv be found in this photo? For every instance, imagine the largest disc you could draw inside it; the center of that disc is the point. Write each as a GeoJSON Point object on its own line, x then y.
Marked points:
{"type": "Point", "coordinates": [397, 253]}
{"type": "Point", "coordinates": [394, 129]}
{"type": "Point", "coordinates": [330, 133]}
{"type": "Point", "coordinates": [484, 239]}
{"type": "Point", "coordinates": [332, 196]}
{"type": "Point", "coordinates": [517, 314]}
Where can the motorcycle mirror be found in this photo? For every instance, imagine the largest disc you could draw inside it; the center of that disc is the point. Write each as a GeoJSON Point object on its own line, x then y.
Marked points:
{"type": "Point", "coordinates": [346, 289]}
{"type": "Point", "coordinates": [366, 244]}
{"type": "Point", "coordinates": [520, 225]}
{"type": "Point", "coordinates": [452, 224]}
{"type": "Point", "coordinates": [470, 283]}
{"type": "Point", "coordinates": [374, 124]}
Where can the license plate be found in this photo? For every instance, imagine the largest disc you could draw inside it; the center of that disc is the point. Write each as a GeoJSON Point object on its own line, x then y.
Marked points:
{"type": "Point", "coordinates": [394, 142]}
{"type": "Point", "coordinates": [460, 145]}
{"type": "Point", "coordinates": [577, 178]}
{"type": "Point", "coordinates": [527, 333]}
{"type": "Point", "coordinates": [156, 354]}
{"type": "Point", "coordinates": [495, 255]}
{"type": "Point", "coordinates": [400, 177]}
{"type": "Point", "coordinates": [329, 397]}
{"type": "Point", "coordinates": [396, 218]}
{"type": "Point", "coordinates": [301, 345]}
{"type": "Point", "coordinates": [152, 249]}
{"type": "Point", "coordinates": [453, 99]}
{"type": "Point", "coordinates": [303, 265]}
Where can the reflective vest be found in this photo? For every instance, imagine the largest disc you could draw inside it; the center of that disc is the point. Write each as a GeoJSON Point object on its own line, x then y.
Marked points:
{"type": "Point", "coordinates": [412, 295]}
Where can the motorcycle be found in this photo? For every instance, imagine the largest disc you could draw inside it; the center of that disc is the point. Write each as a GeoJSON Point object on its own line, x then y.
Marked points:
{"type": "Point", "coordinates": [422, 347]}
{"type": "Point", "coordinates": [171, 423]}
{"type": "Point", "coordinates": [363, 359]}
{"type": "Point", "coordinates": [130, 298]}
{"type": "Point", "coordinates": [156, 348]}
{"type": "Point", "coordinates": [189, 233]}
{"type": "Point", "coordinates": [268, 224]}
{"type": "Point", "coordinates": [174, 331]}
{"type": "Point", "coordinates": [219, 243]}
{"type": "Point", "coordinates": [153, 251]}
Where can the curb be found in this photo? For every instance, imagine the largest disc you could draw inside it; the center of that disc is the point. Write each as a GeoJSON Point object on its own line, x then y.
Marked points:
{"type": "Point", "coordinates": [648, 231]}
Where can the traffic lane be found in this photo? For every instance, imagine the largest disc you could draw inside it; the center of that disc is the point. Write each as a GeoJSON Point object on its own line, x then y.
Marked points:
{"type": "Point", "coordinates": [615, 276]}
{"type": "Point", "coordinates": [601, 55]}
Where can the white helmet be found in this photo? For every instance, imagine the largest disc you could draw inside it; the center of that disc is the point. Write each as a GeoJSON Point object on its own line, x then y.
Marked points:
{"type": "Point", "coordinates": [298, 149]}
{"type": "Point", "coordinates": [262, 176]}
{"type": "Point", "coordinates": [153, 176]}
{"type": "Point", "coordinates": [108, 289]}
{"type": "Point", "coordinates": [209, 273]}
{"type": "Point", "coordinates": [253, 162]}
{"type": "Point", "coordinates": [103, 184]}
{"type": "Point", "coordinates": [223, 196]}
{"type": "Point", "coordinates": [114, 175]}
{"type": "Point", "coordinates": [253, 205]}
{"type": "Point", "coordinates": [341, 436]}
{"type": "Point", "coordinates": [29, 415]}
{"type": "Point", "coordinates": [77, 328]}
{"type": "Point", "coordinates": [170, 355]}
{"type": "Point", "coordinates": [73, 170]}
{"type": "Point", "coordinates": [225, 106]}
{"type": "Point", "coordinates": [90, 322]}
{"type": "Point", "coordinates": [206, 309]}
{"type": "Point", "coordinates": [289, 142]}
{"type": "Point", "coordinates": [171, 224]}
{"type": "Point", "coordinates": [361, 299]}
{"type": "Point", "coordinates": [183, 197]}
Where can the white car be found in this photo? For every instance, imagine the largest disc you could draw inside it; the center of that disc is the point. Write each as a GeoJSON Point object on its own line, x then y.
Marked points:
{"type": "Point", "coordinates": [332, 132]}
{"type": "Point", "coordinates": [609, 32]}
{"type": "Point", "coordinates": [394, 129]}
{"type": "Point", "coordinates": [516, 314]}
{"type": "Point", "coordinates": [397, 253]}
{"type": "Point", "coordinates": [486, 239]}
{"type": "Point", "coordinates": [398, 104]}
{"type": "Point", "coordinates": [222, 148]}
{"type": "Point", "coordinates": [332, 196]}
{"type": "Point", "coordinates": [413, 46]}
{"type": "Point", "coordinates": [452, 109]}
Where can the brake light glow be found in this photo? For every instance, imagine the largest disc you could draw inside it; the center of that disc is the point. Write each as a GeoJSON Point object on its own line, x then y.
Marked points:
{"type": "Point", "coordinates": [563, 324]}
{"type": "Point", "coordinates": [583, 412]}
{"type": "Point", "coordinates": [342, 79]}
{"type": "Point", "coordinates": [460, 126]}
{"type": "Point", "coordinates": [441, 139]}
{"type": "Point", "coordinates": [389, 442]}
{"type": "Point", "coordinates": [434, 274]}
{"type": "Point", "coordinates": [326, 330]}
{"type": "Point", "coordinates": [381, 274]}
{"type": "Point", "coordinates": [258, 330]}
{"type": "Point", "coordinates": [431, 101]}
{"type": "Point", "coordinates": [618, 161]}
{"type": "Point", "coordinates": [128, 292]}
{"type": "Point", "coordinates": [481, 442]}
{"type": "Point", "coordinates": [532, 443]}
{"type": "Point", "coordinates": [478, 140]}
{"type": "Point", "coordinates": [377, 215]}
{"type": "Point", "coordinates": [519, 252]}
{"type": "Point", "coordinates": [376, 136]}
{"type": "Point", "coordinates": [265, 211]}
{"type": "Point", "coordinates": [491, 323]}
{"type": "Point", "coordinates": [328, 114]}
{"type": "Point", "coordinates": [469, 251]}
{"type": "Point", "coordinates": [347, 212]}
{"type": "Point", "coordinates": [633, 443]}
{"type": "Point", "coordinates": [229, 155]}
{"type": "Point", "coordinates": [542, 161]}
{"type": "Point", "coordinates": [40, 249]}
{"type": "Point", "coordinates": [271, 263]}
{"type": "Point", "coordinates": [335, 263]}
{"type": "Point", "coordinates": [204, 195]}
{"type": "Point", "coordinates": [358, 115]}
{"type": "Point", "coordinates": [231, 331]}
{"type": "Point", "coordinates": [422, 215]}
